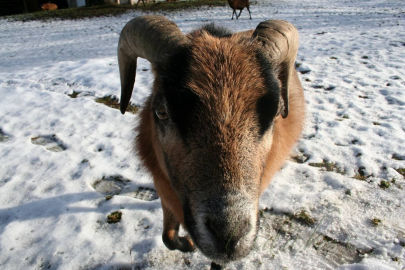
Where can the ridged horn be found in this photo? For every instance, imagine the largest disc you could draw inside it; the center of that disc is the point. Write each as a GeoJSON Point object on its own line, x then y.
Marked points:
{"type": "Point", "coordinates": [280, 43]}
{"type": "Point", "coordinates": [151, 37]}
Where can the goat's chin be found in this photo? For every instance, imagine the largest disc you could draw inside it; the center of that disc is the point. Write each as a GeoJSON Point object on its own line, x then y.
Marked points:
{"type": "Point", "coordinates": [222, 250]}
{"type": "Point", "coordinates": [210, 250]}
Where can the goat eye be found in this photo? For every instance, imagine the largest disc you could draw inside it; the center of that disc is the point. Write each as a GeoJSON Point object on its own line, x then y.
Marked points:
{"type": "Point", "coordinates": [161, 113]}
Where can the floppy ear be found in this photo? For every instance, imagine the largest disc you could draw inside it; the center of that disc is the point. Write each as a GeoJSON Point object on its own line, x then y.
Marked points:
{"type": "Point", "coordinates": [279, 40]}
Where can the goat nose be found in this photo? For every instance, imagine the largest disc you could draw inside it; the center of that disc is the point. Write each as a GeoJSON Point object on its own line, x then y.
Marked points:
{"type": "Point", "coordinates": [226, 236]}
{"type": "Point", "coordinates": [214, 227]}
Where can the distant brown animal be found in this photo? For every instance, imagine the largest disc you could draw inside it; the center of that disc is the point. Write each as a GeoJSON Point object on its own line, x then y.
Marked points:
{"type": "Point", "coordinates": [137, 3]}
{"type": "Point", "coordinates": [143, 2]}
{"type": "Point", "coordinates": [224, 113]}
{"type": "Point", "coordinates": [49, 6]}
{"type": "Point", "coordinates": [239, 4]}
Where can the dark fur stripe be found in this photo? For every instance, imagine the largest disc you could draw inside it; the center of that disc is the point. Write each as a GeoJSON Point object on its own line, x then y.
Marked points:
{"type": "Point", "coordinates": [267, 106]}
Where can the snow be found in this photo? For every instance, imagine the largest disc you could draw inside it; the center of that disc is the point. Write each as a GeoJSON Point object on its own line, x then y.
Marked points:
{"type": "Point", "coordinates": [55, 150]}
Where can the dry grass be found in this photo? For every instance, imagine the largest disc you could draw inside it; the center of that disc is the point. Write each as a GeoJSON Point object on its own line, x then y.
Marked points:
{"type": "Point", "coordinates": [113, 102]}
{"type": "Point", "coordinates": [111, 10]}
{"type": "Point", "coordinates": [114, 217]}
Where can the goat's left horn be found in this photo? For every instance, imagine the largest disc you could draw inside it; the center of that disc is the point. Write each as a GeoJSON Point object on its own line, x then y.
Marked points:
{"type": "Point", "coordinates": [280, 43]}
{"type": "Point", "coordinates": [150, 37]}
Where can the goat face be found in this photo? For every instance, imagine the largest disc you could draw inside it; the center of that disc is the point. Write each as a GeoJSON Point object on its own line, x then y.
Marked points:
{"type": "Point", "coordinates": [206, 132]}
{"type": "Point", "coordinates": [213, 105]}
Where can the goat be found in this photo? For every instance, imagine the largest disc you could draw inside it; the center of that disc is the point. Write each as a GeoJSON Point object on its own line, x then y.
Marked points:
{"type": "Point", "coordinates": [143, 2]}
{"type": "Point", "coordinates": [239, 4]}
{"type": "Point", "coordinates": [223, 115]}
{"type": "Point", "coordinates": [49, 6]}
{"type": "Point", "coordinates": [137, 3]}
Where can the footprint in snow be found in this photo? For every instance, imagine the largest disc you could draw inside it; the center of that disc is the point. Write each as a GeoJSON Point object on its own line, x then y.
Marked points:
{"type": "Point", "coordinates": [50, 142]}
{"type": "Point", "coordinates": [327, 88]}
{"type": "Point", "coordinates": [84, 164]}
{"type": "Point", "coordinates": [76, 94]}
{"type": "Point", "coordinates": [395, 77]}
{"type": "Point", "coordinates": [398, 156]}
{"type": "Point", "coordinates": [282, 227]}
{"type": "Point", "coordinates": [4, 137]}
{"type": "Point", "coordinates": [300, 157]}
{"type": "Point", "coordinates": [302, 68]}
{"type": "Point", "coordinates": [118, 185]}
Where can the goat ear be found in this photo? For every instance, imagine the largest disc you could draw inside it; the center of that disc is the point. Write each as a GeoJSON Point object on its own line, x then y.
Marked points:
{"type": "Point", "coordinates": [284, 77]}
{"type": "Point", "coordinates": [279, 40]}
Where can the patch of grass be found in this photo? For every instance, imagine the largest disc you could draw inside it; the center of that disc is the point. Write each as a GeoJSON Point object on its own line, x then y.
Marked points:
{"type": "Point", "coordinates": [178, 5]}
{"type": "Point", "coordinates": [401, 171]}
{"type": "Point", "coordinates": [304, 218]}
{"type": "Point", "coordinates": [375, 222]}
{"type": "Point", "coordinates": [113, 102]}
{"type": "Point", "coordinates": [111, 10]}
{"type": "Point", "coordinates": [330, 239]}
{"type": "Point", "coordinates": [360, 177]}
{"type": "Point", "coordinates": [74, 94]}
{"type": "Point", "coordinates": [328, 166]}
{"type": "Point", "coordinates": [361, 174]}
{"type": "Point", "coordinates": [384, 184]}
{"type": "Point", "coordinates": [72, 13]}
{"type": "Point", "coordinates": [114, 217]}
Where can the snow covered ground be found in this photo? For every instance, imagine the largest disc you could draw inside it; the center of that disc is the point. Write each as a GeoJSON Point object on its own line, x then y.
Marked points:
{"type": "Point", "coordinates": [67, 163]}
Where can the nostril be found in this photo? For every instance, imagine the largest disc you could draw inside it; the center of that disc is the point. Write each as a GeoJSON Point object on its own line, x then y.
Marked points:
{"type": "Point", "coordinates": [214, 228]}
{"type": "Point", "coordinates": [227, 235]}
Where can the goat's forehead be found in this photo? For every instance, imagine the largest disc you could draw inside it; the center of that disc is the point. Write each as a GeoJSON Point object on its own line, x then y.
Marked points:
{"type": "Point", "coordinates": [214, 85]}
{"type": "Point", "coordinates": [225, 68]}
{"type": "Point", "coordinates": [223, 52]}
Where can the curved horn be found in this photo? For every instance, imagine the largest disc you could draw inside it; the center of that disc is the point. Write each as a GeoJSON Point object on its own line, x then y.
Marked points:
{"type": "Point", "coordinates": [280, 42]}
{"type": "Point", "coordinates": [150, 37]}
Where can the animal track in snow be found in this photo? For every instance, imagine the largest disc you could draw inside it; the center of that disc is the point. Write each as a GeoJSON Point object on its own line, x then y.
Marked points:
{"type": "Point", "coordinates": [111, 185]}
{"type": "Point", "coordinates": [302, 68]}
{"type": "Point", "coordinates": [4, 137]}
{"type": "Point", "coordinates": [285, 229]}
{"type": "Point", "coordinates": [119, 185]}
{"type": "Point", "coordinates": [300, 156]}
{"type": "Point", "coordinates": [50, 142]}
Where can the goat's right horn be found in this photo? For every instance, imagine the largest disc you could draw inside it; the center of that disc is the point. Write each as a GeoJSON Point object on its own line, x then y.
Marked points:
{"type": "Point", "coordinates": [150, 37]}
{"type": "Point", "coordinates": [280, 43]}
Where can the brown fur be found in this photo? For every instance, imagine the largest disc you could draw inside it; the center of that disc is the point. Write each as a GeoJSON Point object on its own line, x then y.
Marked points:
{"type": "Point", "coordinates": [49, 6]}
{"type": "Point", "coordinates": [233, 102]}
{"type": "Point", "coordinates": [286, 132]}
{"type": "Point", "coordinates": [239, 4]}
{"type": "Point", "coordinates": [224, 113]}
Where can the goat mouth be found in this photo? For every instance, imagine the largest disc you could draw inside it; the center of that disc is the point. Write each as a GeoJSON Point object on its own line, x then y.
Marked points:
{"type": "Point", "coordinates": [218, 240]}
